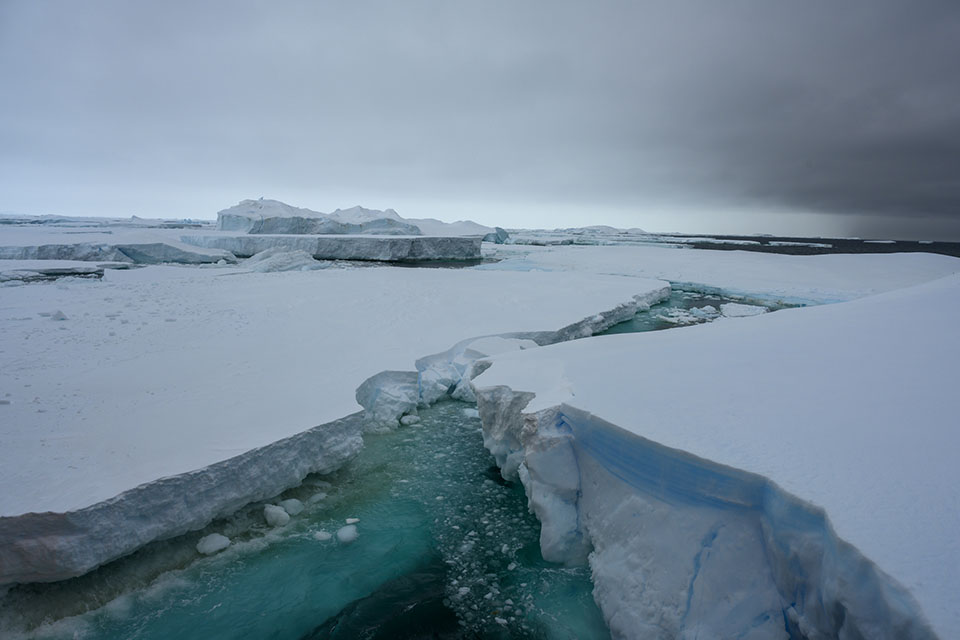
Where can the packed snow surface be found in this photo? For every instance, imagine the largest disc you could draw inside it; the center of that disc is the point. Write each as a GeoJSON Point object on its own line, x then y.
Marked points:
{"type": "Point", "coordinates": [848, 406]}
{"type": "Point", "coordinates": [164, 370]}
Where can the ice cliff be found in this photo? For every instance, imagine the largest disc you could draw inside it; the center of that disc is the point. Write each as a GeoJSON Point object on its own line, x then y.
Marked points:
{"type": "Point", "coordinates": [346, 247]}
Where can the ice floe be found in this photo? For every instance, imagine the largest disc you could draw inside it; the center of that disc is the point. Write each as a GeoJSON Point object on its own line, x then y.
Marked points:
{"type": "Point", "coordinates": [814, 447]}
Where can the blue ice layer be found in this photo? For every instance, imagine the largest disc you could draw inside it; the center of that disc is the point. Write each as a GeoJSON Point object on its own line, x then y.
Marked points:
{"type": "Point", "coordinates": [824, 584]}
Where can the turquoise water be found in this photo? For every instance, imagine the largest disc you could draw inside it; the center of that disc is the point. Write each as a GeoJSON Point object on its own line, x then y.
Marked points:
{"type": "Point", "coordinates": [683, 308]}
{"type": "Point", "coordinates": [446, 548]}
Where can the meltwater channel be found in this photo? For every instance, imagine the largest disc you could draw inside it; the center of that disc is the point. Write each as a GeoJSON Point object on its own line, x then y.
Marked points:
{"type": "Point", "coordinates": [445, 549]}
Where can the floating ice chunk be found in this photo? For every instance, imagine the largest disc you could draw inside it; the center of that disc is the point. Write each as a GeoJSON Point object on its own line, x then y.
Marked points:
{"type": "Point", "coordinates": [292, 506]}
{"type": "Point", "coordinates": [352, 520]}
{"type": "Point", "coordinates": [387, 396]}
{"type": "Point", "coordinates": [275, 516]}
{"type": "Point", "coordinates": [409, 419]}
{"type": "Point", "coordinates": [212, 543]}
{"type": "Point", "coordinates": [348, 534]}
{"type": "Point", "coordinates": [317, 497]}
{"type": "Point", "coordinates": [737, 310]}
{"type": "Point", "coordinates": [471, 413]}
{"type": "Point", "coordinates": [322, 536]}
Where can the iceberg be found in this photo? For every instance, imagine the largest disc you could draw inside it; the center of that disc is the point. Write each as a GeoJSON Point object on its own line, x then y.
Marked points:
{"type": "Point", "coordinates": [275, 217]}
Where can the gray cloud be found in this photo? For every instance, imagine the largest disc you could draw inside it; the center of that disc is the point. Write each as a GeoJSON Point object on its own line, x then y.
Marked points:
{"type": "Point", "coordinates": [670, 115]}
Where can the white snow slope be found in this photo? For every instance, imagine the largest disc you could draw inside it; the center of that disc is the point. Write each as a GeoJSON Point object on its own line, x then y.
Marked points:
{"type": "Point", "coordinates": [742, 430]}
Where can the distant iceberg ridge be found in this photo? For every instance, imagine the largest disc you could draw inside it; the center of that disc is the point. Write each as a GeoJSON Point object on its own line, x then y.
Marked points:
{"type": "Point", "coordinates": [274, 217]}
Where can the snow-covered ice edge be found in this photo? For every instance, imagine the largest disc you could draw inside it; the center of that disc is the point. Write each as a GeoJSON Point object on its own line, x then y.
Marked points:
{"type": "Point", "coordinates": [390, 395]}
{"type": "Point", "coordinates": [47, 547]}
{"type": "Point", "coordinates": [679, 545]}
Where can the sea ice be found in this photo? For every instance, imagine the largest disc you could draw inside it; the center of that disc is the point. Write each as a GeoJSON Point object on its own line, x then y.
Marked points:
{"type": "Point", "coordinates": [683, 487]}
{"type": "Point", "coordinates": [322, 536]}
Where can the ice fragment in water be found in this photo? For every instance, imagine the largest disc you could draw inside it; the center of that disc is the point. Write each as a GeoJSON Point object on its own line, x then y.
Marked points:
{"type": "Point", "coordinates": [347, 534]}
{"type": "Point", "coordinates": [275, 516]}
{"type": "Point", "coordinates": [212, 543]}
{"type": "Point", "coordinates": [292, 506]}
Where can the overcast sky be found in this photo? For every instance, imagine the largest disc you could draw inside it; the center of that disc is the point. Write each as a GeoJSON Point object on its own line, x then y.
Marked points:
{"type": "Point", "coordinates": [809, 117]}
